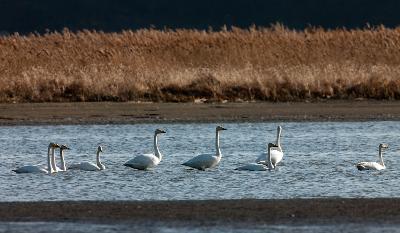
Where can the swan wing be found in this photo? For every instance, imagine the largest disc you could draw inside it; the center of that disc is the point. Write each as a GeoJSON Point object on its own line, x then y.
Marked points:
{"type": "Point", "coordinates": [30, 169]}
{"type": "Point", "coordinates": [253, 167]}
{"type": "Point", "coordinates": [143, 162]}
{"type": "Point", "coordinates": [203, 161]}
{"type": "Point", "coordinates": [369, 166]}
{"type": "Point", "coordinates": [85, 166]}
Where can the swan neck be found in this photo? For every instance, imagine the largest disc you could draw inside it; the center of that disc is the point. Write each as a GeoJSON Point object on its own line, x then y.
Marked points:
{"type": "Point", "coordinates": [156, 150]}
{"type": "Point", "coordinates": [63, 167]}
{"type": "Point", "coordinates": [381, 157]}
{"type": "Point", "coordinates": [49, 166]}
{"type": "Point", "coordinates": [217, 143]}
{"type": "Point", "coordinates": [278, 139]}
{"type": "Point", "coordinates": [98, 161]}
{"type": "Point", "coordinates": [53, 161]}
{"type": "Point", "coordinates": [270, 165]}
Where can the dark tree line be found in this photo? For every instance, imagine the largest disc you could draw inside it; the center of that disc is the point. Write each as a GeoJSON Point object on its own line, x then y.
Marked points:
{"type": "Point", "coordinates": [38, 15]}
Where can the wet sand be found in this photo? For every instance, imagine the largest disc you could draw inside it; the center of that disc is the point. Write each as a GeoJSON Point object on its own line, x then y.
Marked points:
{"type": "Point", "coordinates": [225, 211]}
{"type": "Point", "coordinates": [132, 113]}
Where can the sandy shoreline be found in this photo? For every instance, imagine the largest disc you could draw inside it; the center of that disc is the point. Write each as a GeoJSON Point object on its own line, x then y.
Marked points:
{"type": "Point", "coordinates": [132, 113]}
{"type": "Point", "coordinates": [381, 210]}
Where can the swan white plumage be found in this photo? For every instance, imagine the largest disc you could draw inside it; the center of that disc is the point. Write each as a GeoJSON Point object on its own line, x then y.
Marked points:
{"type": "Point", "coordinates": [260, 166]}
{"type": "Point", "coordinates": [276, 152]}
{"type": "Point", "coordinates": [203, 161]}
{"type": "Point", "coordinates": [89, 166]}
{"type": "Point", "coordinates": [53, 162]}
{"type": "Point", "coordinates": [374, 165]}
{"type": "Point", "coordinates": [38, 168]}
{"type": "Point", "coordinates": [146, 161]}
{"type": "Point", "coordinates": [62, 160]}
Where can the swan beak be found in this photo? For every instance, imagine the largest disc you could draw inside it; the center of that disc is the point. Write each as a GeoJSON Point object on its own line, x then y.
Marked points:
{"type": "Point", "coordinates": [223, 128]}
{"type": "Point", "coordinates": [163, 131]}
{"type": "Point", "coordinates": [55, 145]}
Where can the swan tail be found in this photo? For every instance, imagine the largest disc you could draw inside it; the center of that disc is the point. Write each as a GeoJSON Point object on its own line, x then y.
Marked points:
{"type": "Point", "coordinates": [128, 165]}
{"type": "Point", "coordinates": [136, 166]}
{"type": "Point", "coordinates": [240, 169]}
{"type": "Point", "coordinates": [191, 166]}
{"type": "Point", "coordinates": [360, 167]}
{"type": "Point", "coordinates": [187, 163]}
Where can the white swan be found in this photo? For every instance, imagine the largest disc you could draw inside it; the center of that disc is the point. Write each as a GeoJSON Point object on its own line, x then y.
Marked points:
{"type": "Point", "coordinates": [89, 166]}
{"type": "Point", "coordinates": [39, 169]}
{"type": "Point", "coordinates": [63, 167]}
{"type": "Point", "coordinates": [276, 152]}
{"type": "Point", "coordinates": [53, 160]}
{"type": "Point", "coordinates": [204, 161]}
{"type": "Point", "coordinates": [260, 166]}
{"type": "Point", "coordinates": [374, 165]}
{"type": "Point", "coordinates": [146, 161]}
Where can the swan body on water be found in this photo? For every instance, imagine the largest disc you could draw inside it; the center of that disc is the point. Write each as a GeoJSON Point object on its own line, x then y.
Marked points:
{"type": "Point", "coordinates": [89, 166]}
{"type": "Point", "coordinates": [276, 152]}
{"type": "Point", "coordinates": [146, 161]}
{"type": "Point", "coordinates": [203, 161]}
{"type": "Point", "coordinates": [38, 168]}
{"type": "Point", "coordinates": [260, 166]}
{"type": "Point", "coordinates": [374, 165]}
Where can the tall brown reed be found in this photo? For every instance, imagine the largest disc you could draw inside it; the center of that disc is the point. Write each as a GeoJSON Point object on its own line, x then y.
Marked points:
{"type": "Point", "coordinates": [275, 64]}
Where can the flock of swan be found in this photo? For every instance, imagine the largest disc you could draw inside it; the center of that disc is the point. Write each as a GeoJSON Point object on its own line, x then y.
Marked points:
{"type": "Point", "coordinates": [266, 161]}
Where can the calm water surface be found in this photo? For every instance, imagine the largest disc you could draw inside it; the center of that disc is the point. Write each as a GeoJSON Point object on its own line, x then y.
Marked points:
{"type": "Point", "coordinates": [39, 227]}
{"type": "Point", "coordinates": [318, 162]}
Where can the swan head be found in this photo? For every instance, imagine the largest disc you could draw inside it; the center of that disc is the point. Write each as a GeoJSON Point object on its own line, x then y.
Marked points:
{"type": "Point", "coordinates": [279, 128]}
{"type": "Point", "coordinates": [219, 128]}
{"type": "Point", "coordinates": [100, 149]}
{"type": "Point", "coordinates": [271, 145]}
{"type": "Point", "coordinates": [53, 145]}
{"type": "Point", "coordinates": [64, 147]}
{"type": "Point", "coordinates": [383, 146]}
{"type": "Point", "coordinates": [159, 131]}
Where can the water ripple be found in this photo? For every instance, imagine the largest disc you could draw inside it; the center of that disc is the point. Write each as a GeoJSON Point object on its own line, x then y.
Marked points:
{"type": "Point", "coordinates": [319, 162]}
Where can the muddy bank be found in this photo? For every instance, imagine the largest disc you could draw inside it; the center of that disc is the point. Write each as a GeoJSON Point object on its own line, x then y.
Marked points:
{"type": "Point", "coordinates": [132, 113]}
{"type": "Point", "coordinates": [228, 211]}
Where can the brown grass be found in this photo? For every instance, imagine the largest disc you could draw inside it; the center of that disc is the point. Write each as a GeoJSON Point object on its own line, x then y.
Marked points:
{"type": "Point", "coordinates": [275, 64]}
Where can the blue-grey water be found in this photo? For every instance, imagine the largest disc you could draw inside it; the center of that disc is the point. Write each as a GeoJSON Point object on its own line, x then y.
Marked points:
{"type": "Point", "coordinates": [78, 227]}
{"type": "Point", "coordinates": [318, 161]}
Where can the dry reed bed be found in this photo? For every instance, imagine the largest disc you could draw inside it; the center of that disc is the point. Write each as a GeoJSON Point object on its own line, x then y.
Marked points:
{"type": "Point", "coordinates": [275, 64]}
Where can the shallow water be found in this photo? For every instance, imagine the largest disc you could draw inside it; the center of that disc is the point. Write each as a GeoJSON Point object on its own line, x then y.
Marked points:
{"type": "Point", "coordinates": [318, 162]}
{"type": "Point", "coordinates": [198, 228]}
